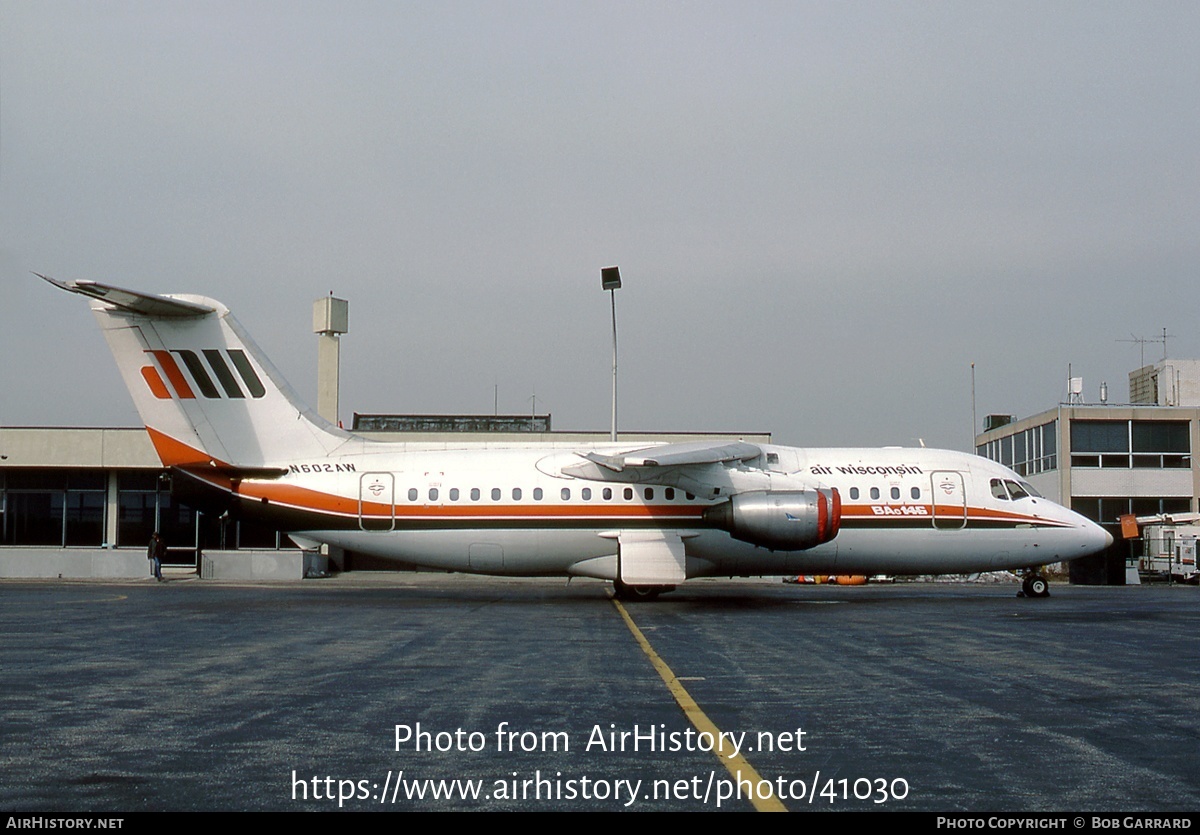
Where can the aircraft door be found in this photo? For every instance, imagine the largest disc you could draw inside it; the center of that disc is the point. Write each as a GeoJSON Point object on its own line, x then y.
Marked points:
{"type": "Point", "coordinates": [376, 501]}
{"type": "Point", "coordinates": [949, 500]}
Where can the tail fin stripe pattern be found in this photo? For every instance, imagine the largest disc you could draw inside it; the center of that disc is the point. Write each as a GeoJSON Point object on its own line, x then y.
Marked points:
{"type": "Point", "coordinates": [167, 362]}
{"type": "Point", "coordinates": [199, 374]}
{"type": "Point", "coordinates": [157, 387]}
{"type": "Point", "coordinates": [224, 375]}
{"type": "Point", "coordinates": [247, 371]}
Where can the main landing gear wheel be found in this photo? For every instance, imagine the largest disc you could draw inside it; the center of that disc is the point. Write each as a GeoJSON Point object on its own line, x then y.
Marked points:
{"type": "Point", "coordinates": [1035, 585]}
{"type": "Point", "coordinates": [623, 591]}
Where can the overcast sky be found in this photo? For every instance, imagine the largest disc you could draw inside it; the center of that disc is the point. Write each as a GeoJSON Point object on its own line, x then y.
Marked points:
{"type": "Point", "coordinates": [823, 212]}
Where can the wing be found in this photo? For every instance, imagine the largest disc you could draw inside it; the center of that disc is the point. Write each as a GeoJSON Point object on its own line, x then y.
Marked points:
{"type": "Point", "coordinates": [696, 467]}
{"type": "Point", "coordinates": [677, 455]}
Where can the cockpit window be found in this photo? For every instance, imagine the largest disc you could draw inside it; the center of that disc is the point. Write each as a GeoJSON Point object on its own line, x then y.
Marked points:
{"type": "Point", "coordinates": [998, 490]}
{"type": "Point", "coordinates": [1029, 488]}
{"type": "Point", "coordinates": [1015, 490]}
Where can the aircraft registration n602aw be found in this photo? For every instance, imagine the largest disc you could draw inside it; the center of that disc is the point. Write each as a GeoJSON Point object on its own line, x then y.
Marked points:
{"type": "Point", "coordinates": [645, 518]}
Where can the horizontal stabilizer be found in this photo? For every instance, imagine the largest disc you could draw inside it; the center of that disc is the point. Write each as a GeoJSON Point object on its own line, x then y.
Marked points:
{"type": "Point", "coordinates": [237, 473]}
{"type": "Point", "coordinates": [131, 300]}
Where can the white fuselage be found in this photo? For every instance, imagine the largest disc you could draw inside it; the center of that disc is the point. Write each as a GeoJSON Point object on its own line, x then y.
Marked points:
{"type": "Point", "coordinates": [512, 510]}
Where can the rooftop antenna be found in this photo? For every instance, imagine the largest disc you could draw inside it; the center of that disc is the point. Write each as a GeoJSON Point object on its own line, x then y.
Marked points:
{"type": "Point", "coordinates": [1141, 341]}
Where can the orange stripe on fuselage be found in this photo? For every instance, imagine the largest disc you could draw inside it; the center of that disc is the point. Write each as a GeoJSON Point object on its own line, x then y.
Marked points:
{"type": "Point", "coordinates": [864, 511]}
{"type": "Point", "coordinates": [303, 498]}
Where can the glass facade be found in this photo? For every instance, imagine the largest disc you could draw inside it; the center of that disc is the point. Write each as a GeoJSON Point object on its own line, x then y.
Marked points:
{"type": "Point", "coordinates": [68, 508]}
{"type": "Point", "coordinates": [1029, 452]}
{"type": "Point", "coordinates": [52, 507]}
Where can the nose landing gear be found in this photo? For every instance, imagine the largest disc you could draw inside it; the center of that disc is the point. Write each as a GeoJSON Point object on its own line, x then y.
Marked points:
{"type": "Point", "coordinates": [1034, 585]}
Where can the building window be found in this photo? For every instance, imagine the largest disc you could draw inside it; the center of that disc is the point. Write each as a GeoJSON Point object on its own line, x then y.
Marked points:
{"type": "Point", "coordinates": [1144, 444]}
{"type": "Point", "coordinates": [1028, 452]}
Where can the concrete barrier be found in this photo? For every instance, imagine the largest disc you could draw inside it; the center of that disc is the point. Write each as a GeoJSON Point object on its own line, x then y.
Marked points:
{"type": "Point", "coordinates": [261, 565]}
{"type": "Point", "coordinates": [74, 563]}
{"type": "Point", "coordinates": [131, 564]}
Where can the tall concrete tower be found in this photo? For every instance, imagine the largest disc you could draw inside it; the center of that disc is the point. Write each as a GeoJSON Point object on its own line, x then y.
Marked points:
{"type": "Point", "coordinates": [331, 319]}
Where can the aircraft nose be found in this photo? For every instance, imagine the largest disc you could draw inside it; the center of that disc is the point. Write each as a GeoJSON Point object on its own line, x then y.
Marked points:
{"type": "Point", "coordinates": [1097, 538]}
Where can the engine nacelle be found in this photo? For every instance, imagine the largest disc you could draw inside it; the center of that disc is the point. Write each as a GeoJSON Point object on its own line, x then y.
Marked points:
{"type": "Point", "coordinates": [782, 520]}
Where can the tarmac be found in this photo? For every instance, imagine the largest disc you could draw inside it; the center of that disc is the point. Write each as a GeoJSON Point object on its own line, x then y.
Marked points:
{"type": "Point", "coordinates": [445, 692]}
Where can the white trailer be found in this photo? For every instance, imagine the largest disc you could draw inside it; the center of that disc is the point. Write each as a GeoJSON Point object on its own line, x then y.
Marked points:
{"type": "Point", "coordinates": [1169, 546]}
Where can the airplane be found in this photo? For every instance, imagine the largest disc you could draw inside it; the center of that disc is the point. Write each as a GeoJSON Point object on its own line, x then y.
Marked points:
{"type": "Point", "coordinates": [645, 518]}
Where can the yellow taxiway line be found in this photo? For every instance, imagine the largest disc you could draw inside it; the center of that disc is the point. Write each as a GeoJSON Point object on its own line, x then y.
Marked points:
{"type": "Point", "coordinates": [735, 764]}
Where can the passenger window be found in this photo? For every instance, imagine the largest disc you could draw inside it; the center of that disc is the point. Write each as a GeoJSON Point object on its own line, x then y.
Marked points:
{"type": "Point", "coordinates": [669, 494]}
{"type": "Point", "coordinates": [474, 494]}
{"type": "Point", "coordinates": [566, 494]}
{"type": "Point", "coordinates": [607, 494]}
{"type": "Point", "coordinates": [649, 493]}
{"type": "Point", "coordinates": [874, 492]}
{"type": "Point", "coordinates": [998, 490]}
{"type": "Point", "coordinates": [916, 492]}
{"type": "Point", "coordinates": [854, 492]}
{"type": "Point", "coordinates": [895, 492]}
{"type": "Point", "coordinates": [628, 493]}
{"type": "Point", "coordinates": [412, 494]}
{"type": "Point", "coordinates": [453, 494]}
{"type": "Point", "coordinates": [433, 494]}
{"type": "Point", "coordinates": [495, 494]}
{"type": "Point", "coordinates": [690, 497]}
{"type": "Point", "coordinates": [586, 494]}
{"type": "Point", "coordinates": [537, 494]}
{"type": "Point", "coordinates": [516, 494]}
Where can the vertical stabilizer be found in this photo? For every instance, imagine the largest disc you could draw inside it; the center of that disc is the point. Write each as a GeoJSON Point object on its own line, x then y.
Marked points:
{"type": "Point", "coordinates": [205, 392]}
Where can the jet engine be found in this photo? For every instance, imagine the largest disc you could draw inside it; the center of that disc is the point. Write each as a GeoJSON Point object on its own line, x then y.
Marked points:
{"type": "Point", "coordinates": [782, 520]}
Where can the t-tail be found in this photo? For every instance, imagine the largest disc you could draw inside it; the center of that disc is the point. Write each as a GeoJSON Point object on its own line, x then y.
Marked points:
{"type": "Point", "coordinates": [206, 394]}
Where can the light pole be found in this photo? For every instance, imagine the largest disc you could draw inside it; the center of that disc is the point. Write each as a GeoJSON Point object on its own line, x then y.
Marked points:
{"type": "Point", "coordinates": [610, 280]}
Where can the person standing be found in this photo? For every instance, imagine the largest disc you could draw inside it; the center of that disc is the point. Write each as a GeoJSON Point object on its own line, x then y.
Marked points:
{"type": "Point", "coordinates": [155, 553]}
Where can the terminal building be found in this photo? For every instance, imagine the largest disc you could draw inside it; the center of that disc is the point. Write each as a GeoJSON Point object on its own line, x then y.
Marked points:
{"type": "Point", "coordinates": [1106, 460]}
